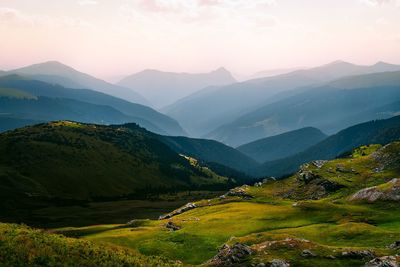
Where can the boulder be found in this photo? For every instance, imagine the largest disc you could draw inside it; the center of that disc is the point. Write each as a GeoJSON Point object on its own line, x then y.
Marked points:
{"type": "Point", "coordinates": [395, 245]}
{"type": "Point", "coordinates": [387, 192]}
{"type": "Point", "coordinates": [386, 261]}
{"type": "Point", "coordinates": [231, 255]}
{"type": "Point", "coordinates": [319, 163]}
{"type": "Point", "coordinates": [307, 253]}
{"type": "Point", "coordinates": [171, 226]}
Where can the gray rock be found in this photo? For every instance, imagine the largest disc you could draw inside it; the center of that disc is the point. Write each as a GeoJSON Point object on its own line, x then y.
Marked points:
{"type": "Point", "coordinates": [319, 163]}
{"type": "Point", "coordinates": [395, 245]}
{"type": "Point", "coordinates": [231, 255]}
{"type": "Point", "coordinates": [261, 265]}
{"type": "Point", "coordinates": [279, 263]}
{"type": "Point", "coordinates": [375, 193]}
{"type": "Point", "coordinates": [387, 261]}
{"type": "Point", "coordinates": [307, 253]}
{"type": "Point", "coordinates": [171, 226]}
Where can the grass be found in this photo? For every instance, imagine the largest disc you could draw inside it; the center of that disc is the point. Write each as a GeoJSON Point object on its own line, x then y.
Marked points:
{"type": "Point", "coordinates": [279, 210]}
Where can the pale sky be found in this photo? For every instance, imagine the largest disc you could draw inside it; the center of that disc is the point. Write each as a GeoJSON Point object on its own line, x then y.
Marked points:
{"type": "Point", "coordinates": [116, 37]}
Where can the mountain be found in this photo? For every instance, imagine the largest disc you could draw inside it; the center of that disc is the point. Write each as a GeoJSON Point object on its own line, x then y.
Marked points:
{"type": "Point", "coordinates": [327, 108]}
{"type": "Point", "coordinates": [270, 73]}
{"type": "Point", "coordinates": [127, 111]}
{"type": "Point", "coordinates": [283, 145]}
{"type": "Point", "coordinates": [164, 88]}
{"type": "Point", "coordinates": [211, 152]}
{"type": "Point", "coordinates": [7, 123]}
{"type": "Point", "coordinates": [68, 161]}
{"type": "Point", "coordinates": [227, 103]}
{"type": "Point", "coordinates": [373, 132]}
{"type": "Point", "coordinates": [390, 78]}
{"type": "Point", "coordinates": [57, 73]}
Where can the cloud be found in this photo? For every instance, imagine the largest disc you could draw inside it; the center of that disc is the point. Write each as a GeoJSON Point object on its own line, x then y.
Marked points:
{"type": "Point", "coordinates": [87, 2]}
{"type": "Point", "coordinates": [14, 16]}
{"type": "Point", "coordinates": [374, 3]}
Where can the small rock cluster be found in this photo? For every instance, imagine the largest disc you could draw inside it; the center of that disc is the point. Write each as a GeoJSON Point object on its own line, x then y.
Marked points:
{"type": "Point", "coordinates": [307, 253]}
{"type": "Point", "coordinates": [237, 192]}
{"type": "Point", "coordinates": [279, 263]}
{"type": "Point", "coordinates": [386, 261]}
{"type": "Point", "coordinates": [395, 245]}
{"type": "Point", "coordinates": [188, 206]}
{"type": "Point", "coordinates": [231, 255]}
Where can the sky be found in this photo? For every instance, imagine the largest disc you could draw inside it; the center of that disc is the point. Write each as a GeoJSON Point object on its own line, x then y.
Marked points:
{"type": "Point", "coordinates": [108, 38]}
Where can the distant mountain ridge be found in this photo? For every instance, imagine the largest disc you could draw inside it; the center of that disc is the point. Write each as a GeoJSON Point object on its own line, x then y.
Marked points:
{"type": "Point", "coordinates": [283, 145]}
{"type": "Point", "coordinates": [227, 103]}
{"type": "Point", "coordinates": [58, 73]}
{"type": "Point", "coordinates": [122, 110]}
{"type": "Point", "coordinates": [164, 88]}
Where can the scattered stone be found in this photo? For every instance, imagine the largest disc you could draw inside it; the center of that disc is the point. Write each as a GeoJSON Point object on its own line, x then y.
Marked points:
{"type": "Point", "coordinates": [258, 184]}
{"type": "Point", "coordinates": [231, 255]}
{"type": "Point", "coordinates": [319, 163]}
{"type": "Point", "coordinates": [171, 226]}
{"type": "Point", "coordinates": [307, 253]}
{"type": "Point", "coordinates": [331, 257]}
{"type": "Point", "coordinates": [390, 192]}
{"type": "Point", "coordinates": [238, 192]}
{"type": "Point", "coordinates": [386, 261]}
{"type": "Point", "coordinates": [188, 206]}
{"type": "Point", "coordinates": [340, 168]}
{"type": "Point", "coordinates": [395, 245]}
{"type": "Point", "coordinates": [261, 265]}
{"type": "Point", "coordinates": [279, 263]}
{"type": "Point", "coordinates": [358, 254]}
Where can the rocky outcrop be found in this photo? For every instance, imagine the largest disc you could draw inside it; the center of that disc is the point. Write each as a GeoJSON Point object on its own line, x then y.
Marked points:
{"type": "Point", "coordinates": [188, 206]}
{"type": "Point", "coordinates": [387, 192]}
{"type": "Point", "coordinates": [387, 261]}
{"type": "Point", "coordinates": [395, 245]}
{"type": "Point", "coordinates": [231, 255]}
{"type": "Point", "coordinates": [237, 192]}
{"type": "Point", "coordinates": [357, 254]}
{"type": "Point", "coordinates": [307, 253]}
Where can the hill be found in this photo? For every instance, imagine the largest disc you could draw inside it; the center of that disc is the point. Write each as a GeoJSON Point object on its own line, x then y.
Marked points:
{"type": "Point", "coordinates": [309, 219]}
{"type": "Point", "coordinates": [376, 132]}
{"type": "Point", "coordinates": [210, 151]}
{"type": "Point", "coordinates": [68, 162]}
{"type": "Point", "coordinates": [57, 73]}
{"type": "Point", "coordinates": [227, 103]}
{"type": "Point", "coordinates": [130, 112]}
{"type": "Point", "coordinates": [326, 108]}
{"type": "Point", "coordinates": [283, 145]}
{"type": "Point", "coordinates": [164, 88]}
{"type": "Point", "coordinates": [24, 246]}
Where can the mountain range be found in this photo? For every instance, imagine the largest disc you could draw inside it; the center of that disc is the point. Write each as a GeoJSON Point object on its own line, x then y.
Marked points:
{"type": "Point", "coordinates": [164, 88]}
{"type": "Point", "coordinates": [228, 103]}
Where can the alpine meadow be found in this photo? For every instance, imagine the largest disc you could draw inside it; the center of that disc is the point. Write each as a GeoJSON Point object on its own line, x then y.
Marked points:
{"type": "Point", "coordinates": [213, 133]}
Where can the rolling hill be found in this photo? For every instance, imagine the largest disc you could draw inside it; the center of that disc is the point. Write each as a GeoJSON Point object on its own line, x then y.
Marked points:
{"type": "Point", "coordinates": [164, 88]}
{"type": "Point", "coordinates": [373, 132]}
{"type": "Point", "coordinates": [57, 73]}
{"type": "Point", "coordinates": [316, 217]}
{"type": "Point", "coordinates": [283, 145]}
{"type": "Point", "coordinates": [326, 108]}
{"type": "Point", "coordinates": [127, 111]}
{"type": "Point", "coordinates": [211, 152]}
{"type": "Point", "coordinates": [227, 103]}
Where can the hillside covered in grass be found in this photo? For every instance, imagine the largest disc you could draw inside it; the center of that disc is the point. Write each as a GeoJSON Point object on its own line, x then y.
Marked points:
{"type": "Point", "coordinates": [71, 163]}
{"type": "Point", "coordinates": [313, 218]}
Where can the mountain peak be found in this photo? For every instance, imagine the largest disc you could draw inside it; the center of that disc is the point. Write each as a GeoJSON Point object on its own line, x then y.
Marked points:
{"type": "Point", "coordinates": [338, 62]}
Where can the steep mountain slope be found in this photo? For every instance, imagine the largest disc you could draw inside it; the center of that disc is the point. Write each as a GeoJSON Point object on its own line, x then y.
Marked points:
{"type": "Point", "coordinates": [72, 161]}
{"type": "Point", "coordinates": [164, 88]}
{"type": "Point", "coordinates": [283, 145]}
{"type": "Point", "coordinates": [203, 112]}
{"type": "Point", "coordinates": [211, 151]}
{"type": "Point", "coordinates": [373, 132]}
{"type": "Point", "coordinates": [326, 108]}
{"type": "Point", "coordinates": [391, 78]}
{"type": "Point", "coordinates": [308, 219]}
{"type": "Point", "coordinates": [58, 73]}
{"type": "Point", "coordinates": [143, 115]}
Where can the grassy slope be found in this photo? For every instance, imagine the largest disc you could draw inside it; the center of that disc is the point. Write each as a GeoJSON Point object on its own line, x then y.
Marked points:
{"type": "Point", "coordinates": [77, 161]}
{"type": "Point", "coordinates": [23, 246]}
{"type": "Point", "coordinates": [279, 210]}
